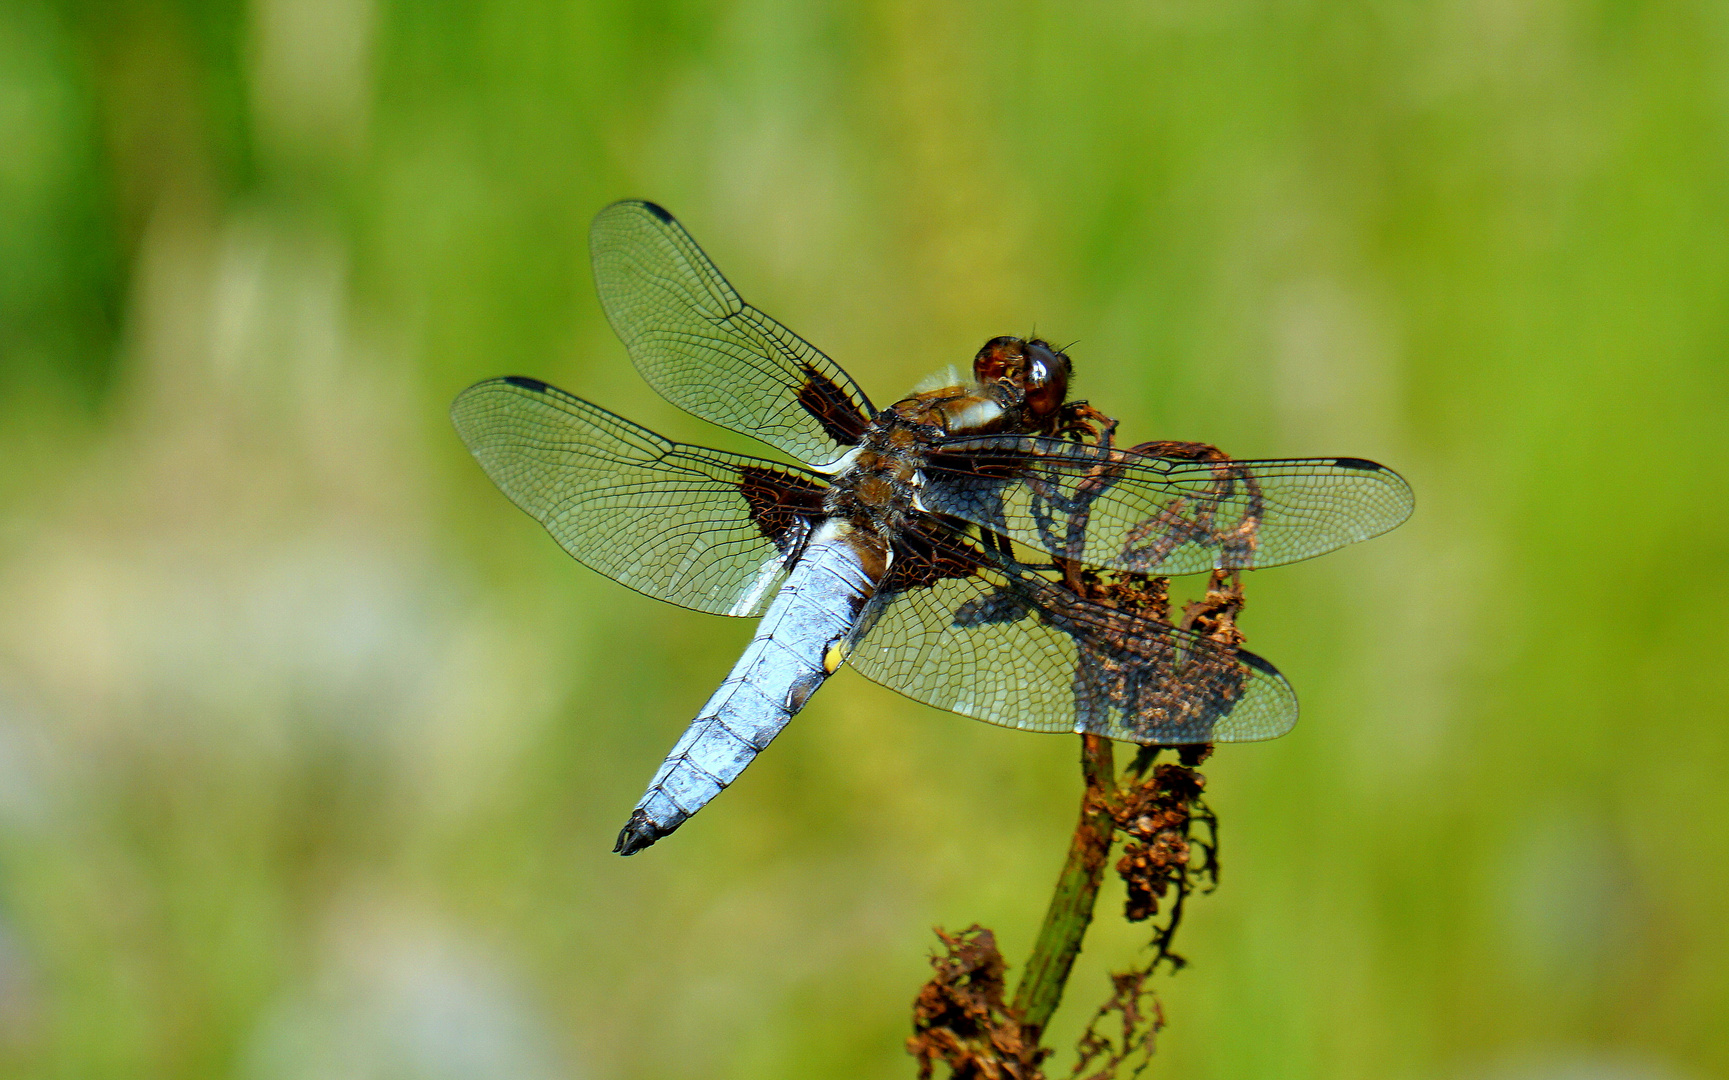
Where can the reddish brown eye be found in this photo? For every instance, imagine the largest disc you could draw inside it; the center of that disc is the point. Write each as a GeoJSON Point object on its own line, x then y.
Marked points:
{"type": "Point", "coordinates": [1047, 382]}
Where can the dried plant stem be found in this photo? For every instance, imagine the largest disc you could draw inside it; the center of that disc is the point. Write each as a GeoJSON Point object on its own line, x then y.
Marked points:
{"type": "Point", "coordinates": [1071, 910]}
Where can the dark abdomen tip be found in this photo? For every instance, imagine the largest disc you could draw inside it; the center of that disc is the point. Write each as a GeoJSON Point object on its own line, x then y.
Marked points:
{"type": "Point", "coordinates": [638, 833]}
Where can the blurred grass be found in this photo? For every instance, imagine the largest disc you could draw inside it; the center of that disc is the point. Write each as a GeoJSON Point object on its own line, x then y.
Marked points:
{"type": "Point", "coordinates": [312, 748]}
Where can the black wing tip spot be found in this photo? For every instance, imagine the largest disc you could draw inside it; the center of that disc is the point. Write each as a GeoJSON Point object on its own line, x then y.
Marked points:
{"type": "Point", "coordinates": [656, 209]}
{"type": "Point", "coordinates": [1360, 464]}
{"type": "Point", "coordinates": [526, 383]}
{"type": "Point", "coordinates": [1249, 659]}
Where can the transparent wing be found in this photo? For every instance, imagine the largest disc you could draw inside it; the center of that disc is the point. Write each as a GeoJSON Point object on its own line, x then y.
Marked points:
{"type": "Point", "coordinates": [1161, 515]}
{"type": "Point", "coordinates": [966, 631]}
{"type": "Point", "coordinates": [695, 527]}
{"type": "Point", "coordinates": [707, 351]}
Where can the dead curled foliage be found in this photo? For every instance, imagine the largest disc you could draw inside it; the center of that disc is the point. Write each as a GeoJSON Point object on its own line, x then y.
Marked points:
{"type": "Point", "coordinates": [1171, 849]}
{"type": "Point", "coordinates": [1162, 857]}
{"type": "Point", "coordinates": [960, 1018]}
{"type": "Point", "coordinates": [1155, 810]}
{"type": "Point", "coordinates": [1137, 1009]}
{"type": "Point", "coordinates": [1215, 615]}
{"type": "Point", "coordinates": [1154, 818]}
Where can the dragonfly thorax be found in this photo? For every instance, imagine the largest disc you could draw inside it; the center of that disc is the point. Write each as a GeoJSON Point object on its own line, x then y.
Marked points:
{"type": "Point", "coordinates": [877, 488]}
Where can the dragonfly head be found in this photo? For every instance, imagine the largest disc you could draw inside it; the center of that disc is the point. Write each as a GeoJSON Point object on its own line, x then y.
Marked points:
{"type": "Point", "coordinates": [1035, 370]}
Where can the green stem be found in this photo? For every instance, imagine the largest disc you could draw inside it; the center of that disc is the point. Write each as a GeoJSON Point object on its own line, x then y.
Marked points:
{"type": "Point", "coordinates": [1071, 910]}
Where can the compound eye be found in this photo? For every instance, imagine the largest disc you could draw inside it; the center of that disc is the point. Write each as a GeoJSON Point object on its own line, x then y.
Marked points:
{"type": "Point", "coordinates": [1047, 384]}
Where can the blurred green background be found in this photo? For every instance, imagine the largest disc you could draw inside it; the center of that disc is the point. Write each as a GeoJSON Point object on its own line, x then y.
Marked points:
{"type": "Point", "coordinates": [312, 748]}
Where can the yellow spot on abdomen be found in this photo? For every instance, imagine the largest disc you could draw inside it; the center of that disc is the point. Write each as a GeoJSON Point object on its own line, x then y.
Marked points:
{"type": "Point", "coordinates": [834, 656]}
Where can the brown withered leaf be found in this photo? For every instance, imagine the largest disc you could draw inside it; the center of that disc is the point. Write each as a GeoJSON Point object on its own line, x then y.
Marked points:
{"type": "Point", "coordinates": [1215, 615]}
{"type": "Point", "coordinates": [1154, 818]}
{"type": "Point", "coordinates": [961, 1020]}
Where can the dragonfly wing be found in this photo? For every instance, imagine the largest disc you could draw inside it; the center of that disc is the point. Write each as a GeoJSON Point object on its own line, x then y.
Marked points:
{"type": "Point", "coordinates": [707, 351]}
{"type": "Point", "coordinates": [963, 629]}
{"type": "Point", "coordinates": [1159, 515]}
{"type": "Point", "coordinates": [698, 528]}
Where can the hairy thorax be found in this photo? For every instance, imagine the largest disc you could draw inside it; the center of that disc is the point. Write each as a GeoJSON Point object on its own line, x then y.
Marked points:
{"type": "Point", "coordinates": [878, 485]}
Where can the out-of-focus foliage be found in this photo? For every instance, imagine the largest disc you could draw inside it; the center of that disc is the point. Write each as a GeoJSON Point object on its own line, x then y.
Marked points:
{"type": "Point", "coordinates": [312, 748]}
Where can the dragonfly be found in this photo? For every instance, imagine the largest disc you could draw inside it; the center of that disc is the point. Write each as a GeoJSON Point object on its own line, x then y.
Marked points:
{"type": "Point", "coordinates": [932, 545]}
